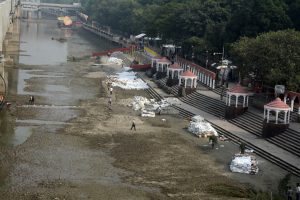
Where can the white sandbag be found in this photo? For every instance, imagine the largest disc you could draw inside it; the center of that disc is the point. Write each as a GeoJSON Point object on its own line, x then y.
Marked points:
{"type": "Point", "coordinates": [244, 163]}
{"type": "Point", "coordinates": [197, 118]}
{"type": "Point", "coordinates": [115, 60]}
{"type": "Point", "coordinates": [146, 113]}
{"type": "Point", "coordinates": [202, 129]}
{"type": "Point", "coordinates": [128, 80]}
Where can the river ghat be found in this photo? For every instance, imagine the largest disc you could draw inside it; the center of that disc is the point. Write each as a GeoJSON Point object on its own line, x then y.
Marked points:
{"type": "Point", "coordinates": [70, 144]}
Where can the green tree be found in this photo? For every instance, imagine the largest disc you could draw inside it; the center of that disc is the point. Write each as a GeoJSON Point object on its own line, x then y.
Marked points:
{"type": "Point", "coordinates": [274, 57]}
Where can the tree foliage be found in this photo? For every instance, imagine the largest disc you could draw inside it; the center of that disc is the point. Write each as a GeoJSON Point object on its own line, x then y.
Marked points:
{"type": "Point", "coordinates": [217, 21]}
{"type": "Point", "coordinates": [274, 57]}
{"type": "Point", "coordinates": [202, 26]}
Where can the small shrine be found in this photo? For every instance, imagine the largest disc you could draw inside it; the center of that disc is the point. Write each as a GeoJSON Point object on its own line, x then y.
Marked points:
{"type": "Point", "coordinates": [237, 100]}
{"type": "Point", "coordinates": [161, 67]}
{"type": "Point", "coordinates": [173, 73]}
{"type": "Point", "coordinates": [187, 83]}
{"type": "Point", "coordinates": [275, 124]}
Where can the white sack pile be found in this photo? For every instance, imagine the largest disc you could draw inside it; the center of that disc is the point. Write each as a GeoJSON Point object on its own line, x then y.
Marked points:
{"type": "Point", "coordinates": [147, 113]}
{"type": "Point", "coordinates": [115, 60]}
{"type": "Point", "coordinates": [138, 102]}
{"type": "Point", "coordinates": [244, 163]}
{"type": "Point", "coordinates": [148, 107]}
{"type": "Point", "coordinates": [127, 80]}
{"type": "Point", "coordinates": [201, 128]}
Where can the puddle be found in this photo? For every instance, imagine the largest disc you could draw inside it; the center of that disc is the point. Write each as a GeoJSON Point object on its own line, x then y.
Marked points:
{"type": "Point", "coordinates": [17, 136]}
{"type": "Point", "coordinates": [22, 133]}
{"type": "Point", "coordinates": [47, 106]}
{"type": "Point", "coordinates": [56, 88]}
{"type": "Point", "coordinates": [24, 75]}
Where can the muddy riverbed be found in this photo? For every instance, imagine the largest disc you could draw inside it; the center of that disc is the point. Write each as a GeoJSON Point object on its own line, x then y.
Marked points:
{"type": "Point", "coordinates": [69, 145]}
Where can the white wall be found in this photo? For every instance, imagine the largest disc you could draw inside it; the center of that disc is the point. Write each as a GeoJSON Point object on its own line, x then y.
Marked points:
{"type": "Point", "coordinates": [5, 9]}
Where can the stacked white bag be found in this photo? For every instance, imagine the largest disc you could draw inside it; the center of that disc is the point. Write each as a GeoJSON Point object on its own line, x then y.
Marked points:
{"type": "Point", "coordinates": [200, 127]}
{"type": "Point", "coordinates": [138, 102]}
{"type": "Point", "coordinates": [244, 163]}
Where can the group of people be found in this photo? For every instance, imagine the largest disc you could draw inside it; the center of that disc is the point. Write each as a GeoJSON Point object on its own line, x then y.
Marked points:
{"type": "Point", "coordinates": [290, 192]}
{"type": "Point", "coordinates": [110, 90]}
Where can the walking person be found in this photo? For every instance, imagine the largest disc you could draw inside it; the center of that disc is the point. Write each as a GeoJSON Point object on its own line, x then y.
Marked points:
{"type": "Point", "coordinates": [133, 125]}
{"type": "Point", "coordinates": [242, 147]}
{"type": "Point", "coordinates": [289, 193]}
{"type": "Point", "coordinates": [222, 92]}
{"type": "Point", "coordinates": [109, 103]}
{"type": "Point", "coordinates": [212, 144]}
{"type": "Point", "coordinates": [297, 191]}
{"type": "Point", "coordinates": [31, 100]}
{"type": "Point", "coordinates": [110, 90]}
{"type": "Point", "coordinates": [158, 110]}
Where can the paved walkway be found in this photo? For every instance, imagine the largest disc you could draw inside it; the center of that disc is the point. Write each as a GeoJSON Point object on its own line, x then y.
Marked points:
{"type": "Point", "coordinates": [259, 142]}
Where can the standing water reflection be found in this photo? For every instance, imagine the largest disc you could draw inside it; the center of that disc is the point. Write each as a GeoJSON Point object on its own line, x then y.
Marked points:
{"type": "Point", "coordinates": [37, 44]}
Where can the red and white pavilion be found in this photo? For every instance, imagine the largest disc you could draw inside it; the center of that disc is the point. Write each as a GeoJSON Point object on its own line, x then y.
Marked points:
{"type": "Point", "coordinates": [174, 71]}
{"type": "Point", "coordinates": [277, 106]}
{"type": "Point", "coordinates": [238, 91]}
{"type": "Point", "coordinates": [235, 108]}
{"type": "Point", "coordinates": [273, 125]}
{"type": "Point", "coordinates": [162, 64]}
{"type": "Point", "coordinates": [189, 79]}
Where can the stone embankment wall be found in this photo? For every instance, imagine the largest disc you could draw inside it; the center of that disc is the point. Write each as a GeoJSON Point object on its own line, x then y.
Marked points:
{"type": "Point", "coordinates": [8, 13]}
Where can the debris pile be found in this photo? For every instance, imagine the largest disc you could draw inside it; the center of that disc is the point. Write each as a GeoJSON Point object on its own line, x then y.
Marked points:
{"type": "Point", "coordinates": [127, 80]}
{"type": "Point", "coordinates": [115, 60]}
{"type": "Point", "coordinates": [149, 107]}
{"type": "Point", "coordinates": [244, 163]}
{"type": "Point", "coordinates": [200, 127]}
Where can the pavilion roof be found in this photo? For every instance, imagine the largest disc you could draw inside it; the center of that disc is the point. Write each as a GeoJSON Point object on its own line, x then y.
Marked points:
{"type": "Point", "coordinates": [238, 89]}
{"type": "Point", "coordinates": [188, 73]}
{"type": "Point", "coordinates": [164, 60]}
{"type": "Point", "coordinates": [175, 66]}
{"type": "Point", "coordinates": [277, 103]}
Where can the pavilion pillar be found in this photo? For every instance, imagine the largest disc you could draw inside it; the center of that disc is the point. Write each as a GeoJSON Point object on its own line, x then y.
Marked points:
{"type": "Point", "coordinates": [247, 101]}
{"type": "Point", "coordinates": [226, 99]}
{"type": "Point", "coordinates": [284, 98]}
{"type": "Point", "coordinates": [285, 116]}
{"type": "Point", "coordinates": [292, 103]}
{"type": "Point", "coordinates": [268, 116]}
{"type": "Point", "coordinates": [276, 117]}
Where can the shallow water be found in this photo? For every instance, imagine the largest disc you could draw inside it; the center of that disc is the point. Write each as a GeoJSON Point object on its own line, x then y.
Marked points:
{"type": "Point", "coordinates": [50, 79]}
{"type": "Point", "coordinates": [37, 46]}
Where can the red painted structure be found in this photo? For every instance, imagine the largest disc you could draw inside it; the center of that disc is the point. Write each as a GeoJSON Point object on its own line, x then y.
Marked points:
{"type": "Point", "coordinates": [204, 75]}
{"type": "Point", "coordinates": [140, 67]}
